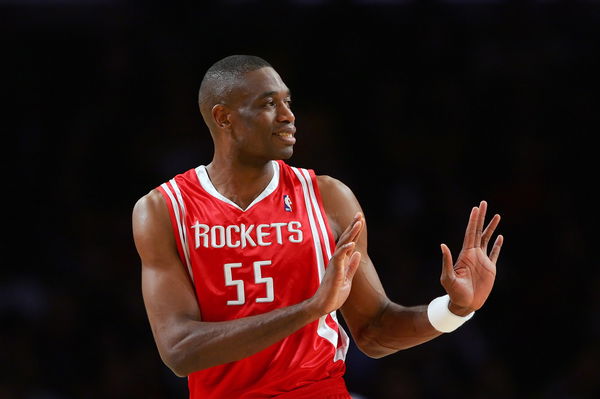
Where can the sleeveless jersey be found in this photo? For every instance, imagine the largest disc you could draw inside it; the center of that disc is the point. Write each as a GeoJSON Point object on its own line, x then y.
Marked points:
{"type": "Point", "coordinates": [246, 262]}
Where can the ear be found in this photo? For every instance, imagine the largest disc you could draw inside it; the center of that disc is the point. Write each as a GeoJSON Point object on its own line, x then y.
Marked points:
{"type": "Point", "coordinates": [220, 115]}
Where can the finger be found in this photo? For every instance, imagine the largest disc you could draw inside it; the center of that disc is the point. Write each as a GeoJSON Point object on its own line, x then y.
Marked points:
{"type": "Point", "coordinates": [353, 264]}
{"type": "Point", "coordinates": [496, 248]}
{"type": "Point", "coordinates": [351, 231]}
{"type": "Point", "coordinates": [447, 264]}
{"type": "Point", "coordinates": [349, 248]}
{"type": "Point", "coordinates": [347, 251]}
{"type": "Point", "coordinates": [480, 221]}
{"type": "Point", "coordinates": [489, 230]}
{"type": "Point", "coordinates": [362, 222]}
{"type": "Point", "coordinates": [354, 232]}
{"type": "Point", "coordinates": [337, 261]}
{"type": "Point", "coordinates": [469, 241]}
{"type": "Point", "coordinates": [341, 252]}
{"type": "Point", "coordinates": [356, 229]}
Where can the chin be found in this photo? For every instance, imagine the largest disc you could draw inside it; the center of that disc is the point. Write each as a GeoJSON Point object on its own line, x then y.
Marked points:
{"type": "Point", "coordinates": [288, 154]}
{"type": "Point", "coordinates": [284, 155]}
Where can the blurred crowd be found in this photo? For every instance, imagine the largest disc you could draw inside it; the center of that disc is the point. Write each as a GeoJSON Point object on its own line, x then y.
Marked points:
{"type": "Point", "coordinates": [423, 109]}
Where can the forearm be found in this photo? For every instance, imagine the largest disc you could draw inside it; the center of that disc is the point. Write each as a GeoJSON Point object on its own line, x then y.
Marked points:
{"type": "Point", "coordinates": [197, 345]}
{"type": "Point", "coordinates": [396, 328]}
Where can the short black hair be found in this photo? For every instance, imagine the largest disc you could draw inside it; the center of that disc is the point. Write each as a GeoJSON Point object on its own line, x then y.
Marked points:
{"type": "Point", "coordinates": [220, 78]}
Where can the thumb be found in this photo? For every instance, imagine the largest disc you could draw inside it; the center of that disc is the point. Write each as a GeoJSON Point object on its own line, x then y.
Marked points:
{"type": "Point", "coordinates": [447, 265]}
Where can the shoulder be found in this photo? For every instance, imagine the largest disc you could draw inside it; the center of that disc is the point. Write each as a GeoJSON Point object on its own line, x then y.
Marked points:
{"type": "Point", "coordinates": [149, 209]}
{"type": "Point", "coordinates": [152, 231]}
{"type": "Point", "coordinates": [330, 186]}
{"type": "Point", "coordinates": [339, 202]}
{"type": "Point", "coordinates": [152, 200]}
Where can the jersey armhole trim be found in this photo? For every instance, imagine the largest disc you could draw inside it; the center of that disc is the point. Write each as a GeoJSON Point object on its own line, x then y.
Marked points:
{"type": "Point", "coordinates": [315, 196]}
{"type": "Point", "coordinates": [177, 215]}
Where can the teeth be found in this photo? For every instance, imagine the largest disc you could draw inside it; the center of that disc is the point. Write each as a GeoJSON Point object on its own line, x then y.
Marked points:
{"type": "Point", "coordinates": [283, 134]}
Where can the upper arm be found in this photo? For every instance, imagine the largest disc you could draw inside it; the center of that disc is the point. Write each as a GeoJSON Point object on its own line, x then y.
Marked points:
{"type": "Point", "coordinates": [168, 293]}
{"type": "Point", "coordinates": [367, 298]}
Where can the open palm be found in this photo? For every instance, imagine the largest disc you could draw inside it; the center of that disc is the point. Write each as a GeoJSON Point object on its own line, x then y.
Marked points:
{"type": "Point", "coordinates": [470, 279]}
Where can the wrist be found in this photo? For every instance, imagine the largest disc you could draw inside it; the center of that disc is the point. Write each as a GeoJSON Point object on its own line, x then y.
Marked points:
{"type": "Point", "coordinates": [461, 311]}
{"type": "Point", "coordinates": [312, 309]}
{"type": "Point", "coordinates": [442, 318]}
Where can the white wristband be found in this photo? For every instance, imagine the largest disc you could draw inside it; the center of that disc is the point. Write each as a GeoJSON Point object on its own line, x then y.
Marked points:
{"type": "Point", "coordinates": [441, 318]}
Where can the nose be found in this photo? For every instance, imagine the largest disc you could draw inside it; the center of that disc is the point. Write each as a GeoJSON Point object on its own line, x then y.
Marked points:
{"type": "Point", "coordinates": [285, 114]}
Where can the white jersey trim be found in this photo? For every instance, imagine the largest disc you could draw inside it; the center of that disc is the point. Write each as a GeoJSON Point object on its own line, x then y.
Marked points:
{"type": "Point", "coordinates": [186, 248]}
{"type": "Point", "coordinates": [312, 205]}
{"type": "Point", "coordinates": [317, 209]}
{"type": "Point", "coordinates": [180, 219]}
{"type": "Point", "coordinates": [209, 188]}
{"type": "Point", "coordinates": [313, 227]}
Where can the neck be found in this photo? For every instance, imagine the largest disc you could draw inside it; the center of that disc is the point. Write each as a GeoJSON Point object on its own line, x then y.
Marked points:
{"type": "Point", "coordinates": [241, 183]}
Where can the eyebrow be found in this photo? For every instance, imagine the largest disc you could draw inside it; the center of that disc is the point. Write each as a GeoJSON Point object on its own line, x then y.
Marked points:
{"type": "Point", "coordinates": [271, 93]}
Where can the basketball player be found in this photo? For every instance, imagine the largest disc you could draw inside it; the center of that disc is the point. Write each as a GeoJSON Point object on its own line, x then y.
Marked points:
{"type": "Point", "coordinates": [246, 260]}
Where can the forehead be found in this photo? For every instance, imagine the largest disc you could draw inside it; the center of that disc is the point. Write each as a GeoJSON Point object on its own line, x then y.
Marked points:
{"type": "Point", "coordinates": [258, 83]}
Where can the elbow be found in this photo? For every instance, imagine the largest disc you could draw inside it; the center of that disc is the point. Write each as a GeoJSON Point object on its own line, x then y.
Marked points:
{"type": "Point", "coordinates": [184, 360]}
{"type": "Point", "coordinates": [180, 360]}
{"type": "Point", "coordinates": [185, 354]}
{"type": "Point", "coordinates": [373, 343]}
{"type": "Point", "coordinates": [179, 371]}
{"type": "Point", "coordinates": [372, 348]}
{"type": "Point", "coordinates": [176, 362]}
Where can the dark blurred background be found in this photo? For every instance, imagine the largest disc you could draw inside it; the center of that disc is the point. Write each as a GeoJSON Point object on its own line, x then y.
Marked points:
{"type": "Point", "coordinates": [423, 108]}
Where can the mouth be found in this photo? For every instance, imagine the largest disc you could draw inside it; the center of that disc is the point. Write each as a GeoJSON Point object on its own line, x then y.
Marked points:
{"type": "Point", "coordinates": [286, 135]}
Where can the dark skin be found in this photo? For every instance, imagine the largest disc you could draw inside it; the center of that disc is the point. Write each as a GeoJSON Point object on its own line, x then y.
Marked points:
{"type": "Point", "coordinates": [251, 127]}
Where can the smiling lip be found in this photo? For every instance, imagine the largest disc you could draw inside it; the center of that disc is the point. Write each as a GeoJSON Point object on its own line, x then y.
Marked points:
{"type": "Point", "coordinates": [286, 135]}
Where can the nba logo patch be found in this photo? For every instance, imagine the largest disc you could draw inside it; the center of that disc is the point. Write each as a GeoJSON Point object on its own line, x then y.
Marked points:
{"type": "Point", "coordinates": [287, 203]}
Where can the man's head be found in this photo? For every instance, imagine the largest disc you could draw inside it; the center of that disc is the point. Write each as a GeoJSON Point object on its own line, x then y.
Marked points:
{"type": "Point", "coordinates": [222, 77]}
{"type": "Point", "coordinates": [246, 106]}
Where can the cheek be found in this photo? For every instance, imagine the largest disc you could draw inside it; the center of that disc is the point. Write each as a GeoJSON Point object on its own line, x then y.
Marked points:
{"type": "Point", "coordinates": [255, 120]}
{"type": "Point", "coordinates": [251, 127]}
{"type": "Point", "coordinates": [264, 118]}
{"type": "Point", "coordinates": [261, 127]}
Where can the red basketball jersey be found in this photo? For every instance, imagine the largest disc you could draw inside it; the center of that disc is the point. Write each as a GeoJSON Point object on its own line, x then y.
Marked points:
{"type": "Point", "coordinates": [246, 262]}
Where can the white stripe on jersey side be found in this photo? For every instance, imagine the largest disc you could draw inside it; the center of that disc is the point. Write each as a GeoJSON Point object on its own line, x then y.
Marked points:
{"type": "Point", "coordinates": [323, 329]}
{"type": "Point", "coordinates": [186, 248]}
{"type": "Point", "coordinates": [317, 209]}
{"type": "Point", "coordinates": [343, 349]}
{"type": "Point", "coordinates": [179, 226]}
{"type": "Point", "coordinates": [313, 227]}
